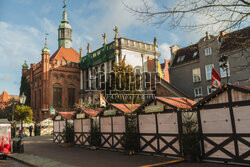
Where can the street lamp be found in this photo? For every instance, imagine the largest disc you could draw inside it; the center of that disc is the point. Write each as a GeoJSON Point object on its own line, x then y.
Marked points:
{"type": "Point", "coordinates": [22, 99]}
{"type": "Point", "coordinates": [223, 64]}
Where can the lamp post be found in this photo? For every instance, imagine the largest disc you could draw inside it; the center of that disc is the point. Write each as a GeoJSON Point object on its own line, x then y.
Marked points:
{"type": "Point", "coordinates": [22, 101]}
{"type": "Point", "coordinates": [223, 64]}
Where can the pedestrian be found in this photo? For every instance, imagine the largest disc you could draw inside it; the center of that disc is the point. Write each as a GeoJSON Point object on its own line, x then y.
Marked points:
{"type": "Point", "coordinates": [30, 129]}
{"type": "Point", "coordinates": [35, 130]}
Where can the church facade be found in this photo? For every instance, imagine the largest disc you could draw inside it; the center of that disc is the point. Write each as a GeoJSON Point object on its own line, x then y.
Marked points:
{"type": "Point", "coordinates": [55, 80]}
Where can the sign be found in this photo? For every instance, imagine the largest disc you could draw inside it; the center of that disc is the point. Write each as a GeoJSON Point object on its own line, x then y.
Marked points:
{"type": "Point", "coordinates": [78, 116]}
{"type": "Point", "coordinates": [156, 108]}
{"type": "Point", "coordinates": [59, 117]}
{"type": "Point", "coordinates": [109, 112]}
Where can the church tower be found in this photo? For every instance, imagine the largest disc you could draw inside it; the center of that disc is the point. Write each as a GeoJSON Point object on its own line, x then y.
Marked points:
{"type": "Point", "coordinates": [64, 31]}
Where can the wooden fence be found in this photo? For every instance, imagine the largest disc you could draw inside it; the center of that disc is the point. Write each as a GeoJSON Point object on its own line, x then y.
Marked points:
{"type": "Point", "coordinates": [224, 122]}
{"type": "Point", "coordinates": [58, 127]}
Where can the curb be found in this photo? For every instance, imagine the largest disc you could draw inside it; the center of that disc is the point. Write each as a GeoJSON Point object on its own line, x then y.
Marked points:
{"type": "Point", "coordinates": [22, 161]}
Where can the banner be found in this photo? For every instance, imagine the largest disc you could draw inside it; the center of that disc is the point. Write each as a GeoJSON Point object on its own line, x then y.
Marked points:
{"type": "Point", "coordinates": [156, 108]}
{"type": "Point", "coordinates": [109, 112]}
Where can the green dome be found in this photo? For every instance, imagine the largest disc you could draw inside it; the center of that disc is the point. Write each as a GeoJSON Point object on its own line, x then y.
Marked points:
{"type": "Point", "coordinates": [25, 66]}
{"type": "Point", "coordinates": [45, 49]}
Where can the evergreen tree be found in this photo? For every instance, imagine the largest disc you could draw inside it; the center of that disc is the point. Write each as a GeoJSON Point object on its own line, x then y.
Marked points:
{"type": "Point", "coordinates": [25, 88]}
{"type": "Point", "coordinates": [125, 83]}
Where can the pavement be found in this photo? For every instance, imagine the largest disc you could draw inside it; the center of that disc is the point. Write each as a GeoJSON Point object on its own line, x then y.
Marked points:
{"type": "Point", "coordinates": [11, 163]}
{"type": "Point", "coordinates": [42, 152]}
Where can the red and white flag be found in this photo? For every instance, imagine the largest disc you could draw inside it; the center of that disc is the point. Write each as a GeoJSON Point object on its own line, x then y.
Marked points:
{"type": "Point", "coordinates": [216, 80]}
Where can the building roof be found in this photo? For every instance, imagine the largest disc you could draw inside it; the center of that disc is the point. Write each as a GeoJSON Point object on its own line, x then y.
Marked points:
{"type": "Point", "coordinates": [186, 54]}
{"type": "Point", "coordinates": [244, 89]}
{"type": "Point", "coordinates": [66, 54]}
{"type": "Point", "coordinates": [93, 112]}
{"type": "Point", "coordinates": [67, 115]}
{"type": "Point", "coordinates": [4, 97]}
{"type": "Point", "coordinates": [236, 40]}
{"type": "Point", "coordinates": [178, 102]}
{"type": "Point", "coordinates": [173, 102]}
{"type": "Point", "coordinates": [126, 108]}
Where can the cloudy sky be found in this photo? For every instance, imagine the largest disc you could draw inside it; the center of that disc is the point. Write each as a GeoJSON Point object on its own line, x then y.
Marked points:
{"type": "Point", "coordinates": [23, 24]}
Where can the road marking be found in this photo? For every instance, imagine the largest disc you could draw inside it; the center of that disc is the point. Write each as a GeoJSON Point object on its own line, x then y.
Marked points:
{"type": "Point", "coordinates": [165, 163]}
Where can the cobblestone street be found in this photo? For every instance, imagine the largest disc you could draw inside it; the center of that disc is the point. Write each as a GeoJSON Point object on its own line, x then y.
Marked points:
{"type": "Point", "coordinates": [41, 150]}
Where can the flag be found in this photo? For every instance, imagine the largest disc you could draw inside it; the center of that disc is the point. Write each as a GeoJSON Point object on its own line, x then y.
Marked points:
{"type": "Point", "coordinates": [52, 111]}
{"type": "Point", "coordinates": [102, 101]}
{"type": "Point", "coordinates": [216, 80]}
{"type": "Point", "coordinates": [159, 70]}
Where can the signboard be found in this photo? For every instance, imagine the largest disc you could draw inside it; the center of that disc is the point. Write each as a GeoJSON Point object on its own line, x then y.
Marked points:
{"type": "Point", "coordinates": [59, 117]}
{"type": "Point", "coordinates": [78, 116]}
{"type": "Point", "coordinates": [156, 108]}
{"type": "Point", "coordinates": [109, 112]}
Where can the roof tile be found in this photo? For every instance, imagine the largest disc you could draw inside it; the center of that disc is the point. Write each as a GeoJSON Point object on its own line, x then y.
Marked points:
{"type": "Point", "coordinates": [126, 108]}
{"type": "Point", "coordinates": [179, 102]}
{"type": "Point", "coordinates": [66, 54]}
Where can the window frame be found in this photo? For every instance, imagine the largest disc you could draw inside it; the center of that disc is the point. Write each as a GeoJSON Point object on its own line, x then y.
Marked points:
{"type": "Point", "coordinates": [194, 76]}
{"type": "Point", "coordinates": [199, 94]}
{"type": "Point", "coordinates": [57, 102]}
{"type": "Point", "coordinates": [210, 51]}
{"type": "Point", "coordinates": [209, 72]}
{"type": "Point", "coordinates": [71, 97]}
{"type": "Point", "coordinates": [209, 87]}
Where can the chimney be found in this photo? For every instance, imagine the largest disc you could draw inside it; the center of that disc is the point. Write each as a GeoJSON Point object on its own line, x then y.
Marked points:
{"type": "Point", "coordinates": [222, 33]}
{"type": "Point", "coordinates": [173, 50]}
{"type": "Point", "coordinates": [165, 70]}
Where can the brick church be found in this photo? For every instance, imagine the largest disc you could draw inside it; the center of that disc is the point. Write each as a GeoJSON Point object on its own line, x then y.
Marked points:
{"type": "Point", "coordinates": [55, 80]}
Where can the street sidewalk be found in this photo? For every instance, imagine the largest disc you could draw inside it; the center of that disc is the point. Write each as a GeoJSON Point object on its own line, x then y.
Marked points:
{"type": "Point", "coordinates": [35, 161]}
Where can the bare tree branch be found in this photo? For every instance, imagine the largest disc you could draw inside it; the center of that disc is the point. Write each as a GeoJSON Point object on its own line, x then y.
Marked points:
{"type": "Point", "coordinates": [195, 14]}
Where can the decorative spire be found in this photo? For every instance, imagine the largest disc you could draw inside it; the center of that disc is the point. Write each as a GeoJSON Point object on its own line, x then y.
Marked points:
{"type": "Point", "coordinates": [88, 48]}
{"type": "Point", "coordinates": [104, 39]}
{"type": "Point", "coordinates": [64, 31]}
{"type": "Point", "coordinates": [64, 17]}
{"type": "Point", "coordinates": [116, 32]}
{"type": "Point", "coordinates": [155, 41]}
{"type": "Point", "coordinates": [45, 49]}
{"type": "Point", "coordinates": [80, 51]}
{"type": "Point", "coordinates": [25, 65]}
{"type": "Point", "coordinates": [64, 5]}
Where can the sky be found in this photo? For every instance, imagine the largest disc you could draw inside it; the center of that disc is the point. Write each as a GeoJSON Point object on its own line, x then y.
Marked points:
{"type": "Point", "coordinates": [23, 24]}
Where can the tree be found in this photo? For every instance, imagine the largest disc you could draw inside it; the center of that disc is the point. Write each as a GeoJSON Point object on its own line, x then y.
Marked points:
{"type": "Point", "coordinates": [215, 15]}
{"type": "Point", "coordinates": [23, 114]}
{"type": "Point", "coordinates": [8, 110]}
{"type": "Point", "coordinates": [25, 88]}
{"type": "Point", "coordinates": [124, 84]}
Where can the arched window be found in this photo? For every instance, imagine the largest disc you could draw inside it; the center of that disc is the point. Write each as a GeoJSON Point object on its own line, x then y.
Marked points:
{"type": "Point", "coordinates": [71, 96]}
{"type": "Point", "coordinates": [57, 95]}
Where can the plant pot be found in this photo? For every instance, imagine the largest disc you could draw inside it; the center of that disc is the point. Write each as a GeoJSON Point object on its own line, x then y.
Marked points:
{"type": "Point", "coordinates": [67, 144]}
{"type": "Point", "coordinates": [197, 159]}
{"type": "Point", "coordinates": [189, 157]}
{"type": "Point", "coordinates": [93, 148]}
